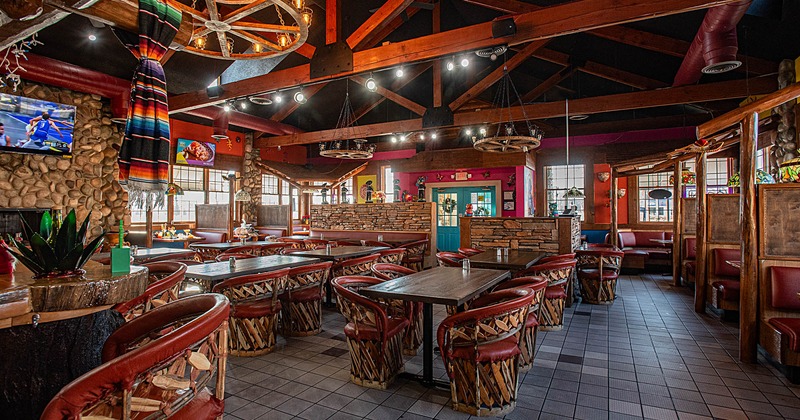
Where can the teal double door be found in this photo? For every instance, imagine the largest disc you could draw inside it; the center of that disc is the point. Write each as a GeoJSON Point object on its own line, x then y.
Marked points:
{"type": "Point", "coordinates": [452, 203]}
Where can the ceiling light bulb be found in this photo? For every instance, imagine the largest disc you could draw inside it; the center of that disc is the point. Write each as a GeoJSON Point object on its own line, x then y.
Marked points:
{"type": "Point", "coordinates": [394, 139]}
{"type": "Point", "coordinates": [226, 107]}
{"type": "Point", "coordinates": [421, 136]}
{"type": "Point", "coordinates": [298, 4]}
{"type": "Point", "coordinates": [278, 99]}
{"type": "Point", "coordinates": [483, 131]}
{"type": "Point", "coordinates": [403, 137]}
{"type": "Point", "coordinates": [433, 136]}
{"type": "Point", "coordinates": [371, 84]}
{"type": "Point", "coordinates": [92, 37]}
{"type": "Point", "coordinates": [468, 131]}
{"type": "Point", "coordinates": [283, 40]}
{"type": "Point", "coordinates": [299, 97]}
{"type": "Point", "coordinates": [200, 42]}
{"type": "Point", "coordinates": [257, 48]}
{"type": "Point", "coordinates": [243, 105]}
{"type": "Point", "coordinates": [399, 72]}
{"type": "Point", "coordinates": [450, 66]}
{"type": "Point", "coordinates": [307, 15]}
{"type": "Point", "coordinates": [464, 62]}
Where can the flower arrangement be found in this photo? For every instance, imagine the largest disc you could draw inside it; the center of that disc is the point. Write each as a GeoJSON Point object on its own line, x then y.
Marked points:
{"type": "Point", "coordinates": [305, 219]}
{"type": "Point", "coordinates": [380, 196]}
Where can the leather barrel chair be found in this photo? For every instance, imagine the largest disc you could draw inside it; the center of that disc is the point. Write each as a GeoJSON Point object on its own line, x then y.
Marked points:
{"type": "Point", "coordinates": [164, 286]}
{"type": "Point", "coordinates": [469, 251]}
{"type": "Point", "coordinates": [598, 271]}
{"type": "Point", "coordinates": [527, 337]}
{"type": "Point", "coordinates": [558, 274]}
{"type": "Point", "coordinates": [412, 339]}
{"type": "Point", "coordinates": [450, 259]}
{"type": "Point", "coordinates": [301, 303]}
{"type": "Point", "coordinates": [415, 254]}
{"type": "Point", "coordinates": [392, 256]}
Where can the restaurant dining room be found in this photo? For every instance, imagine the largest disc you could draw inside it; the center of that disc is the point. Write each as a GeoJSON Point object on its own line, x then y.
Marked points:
{"type": "Point", "coordinates": [397, 209]}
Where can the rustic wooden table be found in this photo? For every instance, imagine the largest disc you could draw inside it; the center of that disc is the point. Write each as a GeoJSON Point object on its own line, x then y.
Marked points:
{"type": "Point", "coordinates": [441, 285]}
{"type": "Point", "coordinates": [144, 255]}
{"type": "Point", "coordinates": [207, 274]}
{"type": "Point", "coordinates": [338, 253]}
{"type": "Point", "coordinates": [515, 260]}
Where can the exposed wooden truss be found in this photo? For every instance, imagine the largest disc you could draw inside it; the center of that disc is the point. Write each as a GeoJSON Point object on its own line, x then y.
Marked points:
{"type": "Point", "coordinates": [394, 97]}
{"type": "Point", "coordinates": [610, 103]}
{"type": "Point", "coordinates": [542, 24]}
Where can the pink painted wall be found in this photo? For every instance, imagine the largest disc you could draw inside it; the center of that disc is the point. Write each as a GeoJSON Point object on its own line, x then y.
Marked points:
{"type": "Point", "coordinates": [408, 182]}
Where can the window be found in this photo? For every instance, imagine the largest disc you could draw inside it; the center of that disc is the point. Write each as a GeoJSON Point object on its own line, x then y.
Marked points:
{"type": "Point", "coordinates": [762, 159]}
{"type": "Point", "coordinates": [159, 214]}
{"type": "Point", "coordinates": [191, 180]}
{"type": "Point", "coordinates": [349, 198]}
{"type": "Point", "coordinates": [218, 187]}
{"type": "Point", "coordinates": [284, 192]}
{"type": "Point", "coordinates": [560, 179]}
{"type": "Point", "coordinates": [482, 204]}
{"type": "Point", "coordinates": [716, 177]}
{"type": "Point", "coordinates": [295, 203]}
{"type": "Point", "coordinates": [269, 190]}
{"type": "Point", "coordinates": [655, 209]}
{"type": "Point", "coordinates": [316, 197]}
{"type": "Point", "coordinates": [388, 183]}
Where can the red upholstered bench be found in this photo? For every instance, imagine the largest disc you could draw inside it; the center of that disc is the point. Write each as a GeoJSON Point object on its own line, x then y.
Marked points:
{"type": "Point", "coordinates": [640, 250]}
{"type": "Point", "coordinates": [211, 236]}
{"type": "Point", "coordinates": [724, 280]}
{"type": "Point", "coordinates": [689, 259]}
{"type": "Point", "coordinates": [779, 334]}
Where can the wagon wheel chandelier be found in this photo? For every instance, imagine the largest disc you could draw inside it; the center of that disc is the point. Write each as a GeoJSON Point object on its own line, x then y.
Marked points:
{"type": "Point", "coordinates": [507, 139]}
{"type": "Point", "coordinates": [347, 149]}
{"type": "Point", "coordinates": [237, 29]}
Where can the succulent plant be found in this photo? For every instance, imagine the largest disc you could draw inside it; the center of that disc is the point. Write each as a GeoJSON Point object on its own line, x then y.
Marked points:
{"type": "Point", "coordinates": [55, 250]}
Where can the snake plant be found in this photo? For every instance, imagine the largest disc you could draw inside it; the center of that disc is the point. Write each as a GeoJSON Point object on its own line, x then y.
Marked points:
{"type": "Point", "coordinates": [56, 249]}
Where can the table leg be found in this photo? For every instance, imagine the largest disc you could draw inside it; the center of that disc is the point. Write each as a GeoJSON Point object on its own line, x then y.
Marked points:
{"type": "Point", "coordinates": [427, 344]}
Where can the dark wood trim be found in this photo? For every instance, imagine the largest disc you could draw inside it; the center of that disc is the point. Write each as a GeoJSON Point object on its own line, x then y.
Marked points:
{"type": "Point", "coordinates": [748, 280]}
{"type": "Point", "coordinates": [701, 269]}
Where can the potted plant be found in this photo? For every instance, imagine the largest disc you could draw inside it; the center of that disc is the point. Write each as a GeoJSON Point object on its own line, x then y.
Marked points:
{"type": "Point", "coordinates": [56, 250]}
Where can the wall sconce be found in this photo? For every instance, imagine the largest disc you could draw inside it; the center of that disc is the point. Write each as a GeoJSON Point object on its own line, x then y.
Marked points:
{"type": "Point", "coordinates": [620, 193]}
{"type": "Point", "coordinates": [603, 176]}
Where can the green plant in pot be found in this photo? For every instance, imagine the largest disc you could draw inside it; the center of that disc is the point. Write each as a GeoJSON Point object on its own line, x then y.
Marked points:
{"type": "Point", "coordinates": [56, 250]}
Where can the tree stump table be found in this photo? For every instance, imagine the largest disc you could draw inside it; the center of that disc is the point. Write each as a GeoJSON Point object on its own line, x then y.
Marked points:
{"type": "Point", "coordinates": [52, 331]}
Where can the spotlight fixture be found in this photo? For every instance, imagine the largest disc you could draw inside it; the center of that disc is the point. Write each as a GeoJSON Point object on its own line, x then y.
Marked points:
{"type": "Point", "coordinates": [300, 97]}
{"type": "Point", "coordinates": [464, 62]}
{"type": "Point", "coordinates": [468, 131]}
{"type": "Point", "coordinates": [92, 37]}
{"type": "Point", "coordinates": [307, 14]}
{"type": "Point", "coordinates": [450, 66]}
{"type": "Point", "coordinates": [394, 139]}
{"type": "Point", "coordinates": [371, 84]}
{"type": "Point", "coordinates": [399, 72]}
{"type": "Point", "coordinates": [482, 131]}
{"type": "Point", "coordinates": [433, 136]}
{"type": "Point", "coordinates": [226, 107]}
{"type": "Point", "coordinates": [278, 98]}
{"type": "Point", "coordinates": [200, 42]}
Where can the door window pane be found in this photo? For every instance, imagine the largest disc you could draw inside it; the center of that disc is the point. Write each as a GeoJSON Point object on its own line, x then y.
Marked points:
{"type": "Point", "coordinates": [561, 178]}
{"type": "Point", "coordinates": [482, 203]}
{"type": "Point", "coordinates": [447, 209]}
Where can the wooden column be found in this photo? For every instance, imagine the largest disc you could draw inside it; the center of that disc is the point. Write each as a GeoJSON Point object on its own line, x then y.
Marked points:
{"type": "Point", "coordinates": [748, 280]}
{"type": "Point", "coordinates": [437, 65]}
{"type": "Point", "coordinates": [290, 222]}
{"type": "Point", "coordinates": [231, 206]}
{"type": "Point", "coordinates": [614, 208]}
{"type": "Point", "coordinates": [148, 226]}
{"type": "Point", "coordinates": [700, 271]}
{"type": "Point", "coordinates": [677, 218]}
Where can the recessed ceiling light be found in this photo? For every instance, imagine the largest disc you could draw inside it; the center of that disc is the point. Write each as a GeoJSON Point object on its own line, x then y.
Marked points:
{"type": "Point", "coordinates": [464, 62]}
{"type": "Point", "coordinates": [399, 72]}
{"type": "Point", "coordinates": [450, 66]}
{"type": "Point", "coordinates": [92, 37]}
{"type": "Point", "coordinates": [468, 131]}
{"type": "Point", "coordinates": [226, 107]}
{"type": "Point", "coordinates": [394, 139]}
{"type": "Point", "coordinates": [300, 97]}
{"type": "Point", "coordinates": [371, 84]}
{"type": "Point", "coordinates": [278, 99]}
{"type": "Point", "coordinates": [433, 136]}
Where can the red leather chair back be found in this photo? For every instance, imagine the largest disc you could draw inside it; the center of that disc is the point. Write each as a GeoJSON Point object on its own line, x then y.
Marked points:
{"type": "Point", "coordinates": [317, 243]}
{"type": "Point", "coordinates": [535, 283]}
{"type": "Point", "coordinates": [690, 248]}
{"type": "Point", "coordinates": [450, 259]}
{"type": "Point", "coordinates": [416, 248]}
{"type": "Point", "coordinates": [165, 279]}
{"type": "Point", "coordinates": [721, 268]}
{"type": "Point", "coordinates": [139, 349]}
{"type": "Point", "coordinates": [361, 266]}
{"type": "Point", "coordinates": [307, 276]}
{"type": "Point", "coordinates": [272, 249]}
{"type": "Point", "coordinates": [470, 251]}
{"type": "Point", "coordinates": [559, 257]}
{"type": "Point", "coordinates": [245, 249]}
{"type": "Point", "coordinates": [387, 271]}
{"type": "Point", "coordinates": [785, 287]}
{"type": "Point", "coordinates": [392, 256]}
{"type": "Point", "coordinates": [360, 310]}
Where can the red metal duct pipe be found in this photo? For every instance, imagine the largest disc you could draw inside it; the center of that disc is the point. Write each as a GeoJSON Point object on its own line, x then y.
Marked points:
{"type": "Point", "coordinates": [58, 73]}
{"type": "Point", "coordinates": [715, 46]}
{"type": "Point", "coordinates": [248, 121]}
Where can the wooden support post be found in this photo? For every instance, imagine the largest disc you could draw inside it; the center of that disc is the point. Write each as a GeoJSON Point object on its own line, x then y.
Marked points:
{"type": "Point", "coordinates": [331, 22]}
{"type": "Point", "coordinates": [148, 222]}
{"type": "Point", "coordinates": [677, 219]}
{"type": "Point", "coordinates": [437, 65]}
{"type": "Point", "coordinates": [290, 222]}
{"type": "Point", "coordinates": [700, 270]}
{"type": "Point", "coordinates": [748, 280]}
{"type": "Point", "coordinates": [614, 208]}
{"type": "Point", "coordinates": [231, 206]}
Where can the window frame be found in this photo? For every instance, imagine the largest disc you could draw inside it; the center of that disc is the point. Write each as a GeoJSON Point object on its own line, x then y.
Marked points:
{"type": "Point", "coordinates": [572, 180]}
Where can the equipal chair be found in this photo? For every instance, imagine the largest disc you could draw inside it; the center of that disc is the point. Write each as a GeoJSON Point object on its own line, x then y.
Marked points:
{"type": "Point", "coordinates": [527, 337]}
{"type": "Point", "coordinates": [273, 249]}
{"type": "Point", "coordinates": [361, 266]}
{"type": "Point", "coordinates": [415, 254]}
{"type": "Point", "coordinates": [373, 336]}
{"type": "Point", "coordinates": [312, 244]}
{"type": "Point", "coordinates": [366, 242]}
{"type": "Point", "coordinates": [413, 336]}
{"type": "Point", "coordinates": [165, 280]}
{"type": "Point", "coordinates": [559, 275]}
{"type": "Point", "coordinates": [156, 366]}
{"type": "Point", "coordinates": [254, 250]}
{"type": "Point", "coordinates": [294, 243]}
{"type": "Point", "coordinates": [570, 282]}
{"type": "Point", "coordinates": [450, 259]}
{"type": "Point", "coordinates": [392, 256]}
{"type": "Point", "coordinates": [470, 251]}
{"type": "Point", "coordinates": [480, 352]}
{"type": "Point", "coordinates": [301, 303]}
{"type": "Point", "coordinates": [598, 270]}
{"type": "Point", "coordinates": [254, 311]}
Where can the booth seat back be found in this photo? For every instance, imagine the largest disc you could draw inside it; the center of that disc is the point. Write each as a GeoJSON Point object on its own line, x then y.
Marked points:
{"type": "Point", "coordinates": [211, 236]}
{"type": "Point", "coordinates": [690, 248]}
{"type": "Point", "coordinates": [641, 239]}
{"type": "Point", "coordinates": [274, 231]}
{"type": "Point", "coordinates": [785, 285]}
{"type": "Point", "coordinates": [721, 267]}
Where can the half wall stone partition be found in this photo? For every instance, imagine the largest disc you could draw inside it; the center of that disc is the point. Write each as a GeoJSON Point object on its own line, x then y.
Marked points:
{"type": "Point", "coordinates": [558, 235]}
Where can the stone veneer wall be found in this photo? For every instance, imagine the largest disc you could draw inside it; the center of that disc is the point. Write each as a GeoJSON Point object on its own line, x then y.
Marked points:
{"type": "Point", "coordinates": [251, 180]}
{"type": "Point", "coordinates": [526, 233]}
{"type": "Point", "coordinates": [388, 216]}
{"type": "Point", "coordinates": [88, 181]}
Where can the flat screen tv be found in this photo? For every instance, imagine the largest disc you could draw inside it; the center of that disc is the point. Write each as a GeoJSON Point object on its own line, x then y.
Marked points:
{"type": "Point", "coordinates": [35, 126]}
{"type": "Point", "coordinates": [193, 152]}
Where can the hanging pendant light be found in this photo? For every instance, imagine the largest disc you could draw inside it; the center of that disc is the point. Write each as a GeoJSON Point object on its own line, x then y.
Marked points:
{"type": "Point", "coordinates": [347, 149]}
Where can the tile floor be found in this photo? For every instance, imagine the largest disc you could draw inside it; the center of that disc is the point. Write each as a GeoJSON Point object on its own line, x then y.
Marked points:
{"type": "Point", "coordinates": [646, 356]}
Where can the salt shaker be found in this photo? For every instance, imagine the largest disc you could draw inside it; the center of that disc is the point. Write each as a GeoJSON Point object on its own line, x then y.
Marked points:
{"type": "Point", "coordinates": [465, 264]}
{"type": "Point", "coordinates": [327, 248]}
{"type": "Point", "coordinates": [380, 238]}
{"type": "Point", "coordinates": [232, 262]}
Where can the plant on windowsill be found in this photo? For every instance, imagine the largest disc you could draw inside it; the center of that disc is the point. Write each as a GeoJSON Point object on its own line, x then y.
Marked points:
{"type": "Point", "coordinates": [57, 249]}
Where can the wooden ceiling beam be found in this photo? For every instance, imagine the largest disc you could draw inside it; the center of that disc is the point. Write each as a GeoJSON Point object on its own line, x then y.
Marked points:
{"type": "Point", "coordinates": [291, 106]}
{"type": "Point", "coordinates": [437, 65]}
{"type": "Point", "coordinates": [376, 22]}
{"type": "Point", "coordinates": [398, 84]}
{"type": "Point", "coordinates": [394, 97]}
{"type": "Point", "coordinates": [641, 39]}
{"type": "Point", "coordinates": [497, 74]}
{"type": "Point", "coordinates": [332, 21]}
{"type": "Point", "coordinates": [563, 19]}
{"type": "Point", "coordinates": [551, 81]}
{"type": "Point", "coordinates": [377, 36]}
{"type": "Point", "coordinates": [609, 103]}
{"type": "Point", "coordinates": [601, 70]}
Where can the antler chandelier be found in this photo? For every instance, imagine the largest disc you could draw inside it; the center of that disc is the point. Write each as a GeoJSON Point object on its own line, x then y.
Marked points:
{"type": "Point", "coordinates": [506, 138]}
{"type": "Point", "coordinates": [347, 149]}
{"type": "Point", "coordinates": [237, 29]}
